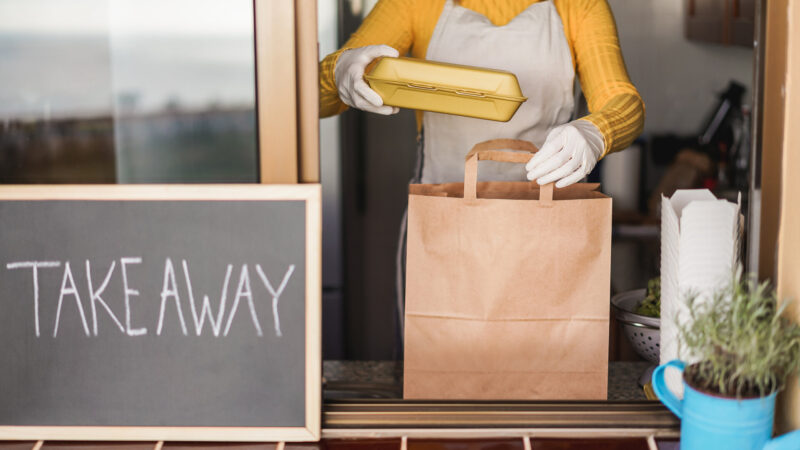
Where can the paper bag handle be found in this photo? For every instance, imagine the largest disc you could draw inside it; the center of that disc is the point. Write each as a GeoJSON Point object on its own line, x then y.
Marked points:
{"type": "Point", "coordinates": [497, 150]}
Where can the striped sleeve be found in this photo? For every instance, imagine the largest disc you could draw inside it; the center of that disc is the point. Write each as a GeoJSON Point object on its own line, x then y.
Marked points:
{"type": "Point", "coordinates": [388, 23]}
{"type": "Point", "coordinates": [329, 102]}
{"type": "Point", "coordinates": [615, 106]}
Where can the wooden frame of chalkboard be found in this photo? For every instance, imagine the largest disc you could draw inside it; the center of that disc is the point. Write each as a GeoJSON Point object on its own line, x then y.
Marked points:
{"type": "Point", "coordinates": [310, 194]}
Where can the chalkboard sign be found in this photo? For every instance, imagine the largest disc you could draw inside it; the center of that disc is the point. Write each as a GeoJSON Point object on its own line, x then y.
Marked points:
{"type": "Point", "coordinates": [160, 312]}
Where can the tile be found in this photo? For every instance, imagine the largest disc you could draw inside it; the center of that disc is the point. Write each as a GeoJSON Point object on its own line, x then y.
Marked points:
{"type": "Point", "coordinates": [466, 444]}
{"type": "Point", "coordinates": [594, 444]}
{"type": "Point", "coordinates": [92, 445]}
{"type": "Point", "coordinates": [360, 444]}
{"type": "Point", "coordinates": [218, 445]}
{"type": "Point", "coordinates": [17, 445]}
{"type": "Point", "coordinates": [668, 444]}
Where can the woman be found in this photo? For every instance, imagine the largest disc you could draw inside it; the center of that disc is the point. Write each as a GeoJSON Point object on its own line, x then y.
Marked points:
{"type": "Point", "coordinates": [544, 43]}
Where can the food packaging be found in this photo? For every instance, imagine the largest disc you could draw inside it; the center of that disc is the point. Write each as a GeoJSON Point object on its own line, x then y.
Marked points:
{"type": "Point", "coordinates": [446, 88]}
{"type": "Point", "coordinates": [493, 307]}
{"type": "Point", "coordinates": [700, 241]}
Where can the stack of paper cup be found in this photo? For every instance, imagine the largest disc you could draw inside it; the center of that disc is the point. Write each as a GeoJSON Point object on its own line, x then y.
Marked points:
{"type": "Point", "coordinates": [700, 239]}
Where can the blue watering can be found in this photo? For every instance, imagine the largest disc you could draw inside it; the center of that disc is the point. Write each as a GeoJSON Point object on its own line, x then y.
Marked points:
{"type": "Point", "coordinates": [709, 422]}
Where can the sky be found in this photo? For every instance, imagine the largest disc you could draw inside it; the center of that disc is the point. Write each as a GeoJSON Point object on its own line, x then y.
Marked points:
{"type": "Point", "coordinates": [228, 17]}
{"type": "Point", "coordinates": [84, 54]}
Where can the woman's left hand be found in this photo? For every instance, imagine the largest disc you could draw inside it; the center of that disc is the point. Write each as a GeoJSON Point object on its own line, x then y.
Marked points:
{"type": "Point", "coordinates": [569, 153]}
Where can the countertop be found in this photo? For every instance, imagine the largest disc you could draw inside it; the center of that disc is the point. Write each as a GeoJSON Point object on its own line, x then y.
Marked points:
{"type": "Point", "coordinates": [384, 379]}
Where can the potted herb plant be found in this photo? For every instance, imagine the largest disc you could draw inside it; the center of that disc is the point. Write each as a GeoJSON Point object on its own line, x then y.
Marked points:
{"type": "Point", "coordinates": [746, 351]}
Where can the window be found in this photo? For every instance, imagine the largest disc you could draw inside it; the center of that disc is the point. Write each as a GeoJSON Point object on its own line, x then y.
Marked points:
{"type": "Point", "coordinates": [127, 91]}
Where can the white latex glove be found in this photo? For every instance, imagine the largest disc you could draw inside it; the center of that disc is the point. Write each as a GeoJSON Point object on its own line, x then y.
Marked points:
{"type": "Point", "coordinates": [569, 153]}
{"type": "Point", "coordinates": [349, 75]}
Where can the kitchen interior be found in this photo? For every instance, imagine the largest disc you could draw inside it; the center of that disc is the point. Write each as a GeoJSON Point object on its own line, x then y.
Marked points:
{"type": "Point", "coordinates": [124, 116]}
{"type": "Point", "coordinates": [102, 120]}
{"type": "Point", "coordinates": [692, 62]}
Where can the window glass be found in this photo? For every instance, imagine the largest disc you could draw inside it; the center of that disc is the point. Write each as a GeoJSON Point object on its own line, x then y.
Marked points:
{"type": "Point", "coordinates": [128, 91]}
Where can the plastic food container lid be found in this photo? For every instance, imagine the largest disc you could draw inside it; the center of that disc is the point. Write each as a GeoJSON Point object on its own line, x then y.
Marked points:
{"type": "Point", "coordinates": [446, 88]}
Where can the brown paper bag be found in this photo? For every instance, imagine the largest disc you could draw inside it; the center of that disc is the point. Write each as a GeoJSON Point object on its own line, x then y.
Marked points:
{"type": "Point", "coordinates": [507, 294]}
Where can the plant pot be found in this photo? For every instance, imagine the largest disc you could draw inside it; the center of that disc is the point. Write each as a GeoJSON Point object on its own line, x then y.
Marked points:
{"type": "Point", "coordinates": [709, 421]}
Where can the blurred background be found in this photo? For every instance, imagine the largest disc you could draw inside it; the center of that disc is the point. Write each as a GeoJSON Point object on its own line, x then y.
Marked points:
{"type": "Point", "coordinates": [693, 63]}
{"type": "Point", "coordinates": [128, 91]}
{"type": "Point", "coordinates": [148, 91]}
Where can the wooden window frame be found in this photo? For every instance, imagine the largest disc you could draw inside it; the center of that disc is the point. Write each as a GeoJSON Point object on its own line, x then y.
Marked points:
{"type": "Point", "coordinates": [287, 90]}
{"type": "Point", "coordinates": [779, 229]}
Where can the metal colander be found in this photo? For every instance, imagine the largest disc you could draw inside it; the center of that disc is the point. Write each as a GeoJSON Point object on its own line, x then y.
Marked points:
{"type": "Point", "coordinates": [643, 332]}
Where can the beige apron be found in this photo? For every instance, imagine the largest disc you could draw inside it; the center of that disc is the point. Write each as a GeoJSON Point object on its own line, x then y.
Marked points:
{"type": "Point", "coordinates": [534, 47]}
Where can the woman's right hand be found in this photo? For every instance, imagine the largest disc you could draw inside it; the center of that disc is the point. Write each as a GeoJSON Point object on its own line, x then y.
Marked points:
{"type": "Point", "coordinates": [349, 74]}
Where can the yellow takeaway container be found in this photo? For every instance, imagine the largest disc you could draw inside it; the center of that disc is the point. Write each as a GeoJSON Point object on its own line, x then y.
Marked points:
{"type": "Point", "coordinates": [446, 88]}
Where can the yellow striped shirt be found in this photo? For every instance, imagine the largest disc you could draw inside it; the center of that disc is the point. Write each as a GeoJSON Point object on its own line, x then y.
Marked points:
{"type": "Point", "coordinates": [615, 106]}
